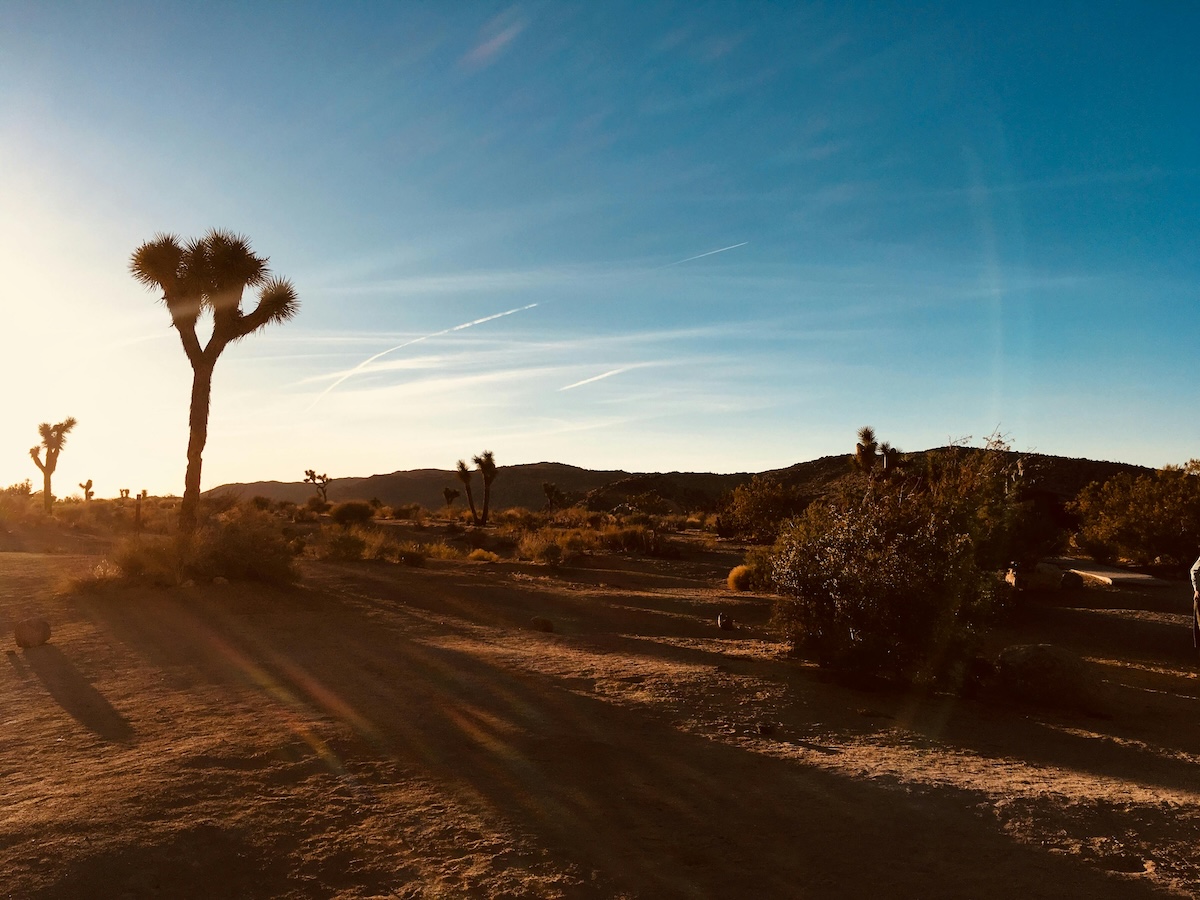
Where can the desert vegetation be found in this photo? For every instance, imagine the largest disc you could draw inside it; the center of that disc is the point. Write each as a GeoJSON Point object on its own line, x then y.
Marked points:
{"type": "Point", "coordinates": [209, 275]}
{"type": "Point", "coordinates": [54, 438]}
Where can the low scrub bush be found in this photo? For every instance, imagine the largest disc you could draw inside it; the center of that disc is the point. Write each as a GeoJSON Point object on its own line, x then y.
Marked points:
{"type": "Point", "coordinates": [352, 512]}
{"type": "Point", "coordinates": [343, 546]}
{"type": "Point", "coordinates": [739, 578]}
{"type": "Point", "coordinates": [239, 544]}
{"type": "Point", "coordinates": [755, 510]}
{"type": "Point", "coordinates": [481, 555]}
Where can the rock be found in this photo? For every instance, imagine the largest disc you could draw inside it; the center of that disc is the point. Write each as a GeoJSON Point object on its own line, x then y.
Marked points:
{"type": "Point", "coordinates": [1048, 676]}
{"type": "Point", "coordinates": [540, 623]}
{"type": "Point", "coordinates": [1070, 580]}
{"type": "Point", "coordinates": [725, 622]}
{"type": "Point", "coordinates": [765, 728]}
{"type": "Point", "coordinates": [32, 632]}
{"type": "Point", "coordinates": [220, 580]}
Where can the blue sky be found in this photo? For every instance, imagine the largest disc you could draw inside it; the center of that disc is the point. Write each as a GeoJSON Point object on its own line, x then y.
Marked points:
{"type": "Point", "coordinates": [942, 219]}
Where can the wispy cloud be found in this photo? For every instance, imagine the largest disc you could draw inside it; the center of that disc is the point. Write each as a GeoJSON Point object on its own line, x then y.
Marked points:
{"type": "Point", "coordinates": [702, 255]}
{"type": "Point", "coordinates": [363, 365]}
{"type": "Point", "coordinates": [595, 378]}
{"type": "Point", "coordinates": [495, 38]}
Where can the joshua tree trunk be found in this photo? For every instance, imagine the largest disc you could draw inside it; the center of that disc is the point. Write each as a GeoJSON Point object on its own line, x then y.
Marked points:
{"type": "Point", "coordinates": [47, 496]}
{"type": "Point", "coordinates": [189, 510]}
{"type": "Point", "coordinates": [471, 502]}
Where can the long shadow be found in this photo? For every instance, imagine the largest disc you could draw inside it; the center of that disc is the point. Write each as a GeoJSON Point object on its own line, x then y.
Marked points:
{"type": "Point", "coordinates": [609, 788]}
{"type": "Point", "coordinates": [75, 694]}
{"type": "Point", "coordinates": [661, 812]}
{"type": "Point", "coordinates": [988, 729]}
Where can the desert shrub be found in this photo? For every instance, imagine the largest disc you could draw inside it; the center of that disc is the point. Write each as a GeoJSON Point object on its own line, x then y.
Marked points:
{"type": "Point", "coordinates": [240, 544]}
{"type": "Point", "coordinates": [412, 554]}
{"type": "Point", "coordinates": [343, 546]}
{"type": "Point", "coordinates": [262, 503]}
{"type": "Point", "coordinates": [315, 504]}
{"type": "Point", "coordinates": [1142, 518]}
{"type": "Point", "coordinates": [519, 517]}
{"type": "Point", "coordinates": [352, 512]}
{"type": "Point", "coordinates": [638, 539]}
{"type": "Point", "coordinates": [377, 544]}
{"type": "Point", "coordinates": [739, 578]}
{"type": "Point", "coordinates": [385, 512]}
{"type": "Point", "coordinates": [541, 546]}
{"type": "Point", "coordinates": [441, 550]}
{"type": "Point", "coordinates": [481, 555]}
{"type": "Point", "coordinates": [893, 577]}
{"type": "Point", "coordinates": [579, 517]}
{"type": "Point", "coordinates": [410, 512]}
{"type": "Point", "coordinates": [756, 509]}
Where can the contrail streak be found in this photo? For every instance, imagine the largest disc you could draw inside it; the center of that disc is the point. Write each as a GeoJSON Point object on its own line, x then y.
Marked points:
{"type": "Point", "coordinates": [595, 378]}
{"type": "Point", "coordinates": [366, 362]}
{"type": "Point", "coordinates": [702, 255]}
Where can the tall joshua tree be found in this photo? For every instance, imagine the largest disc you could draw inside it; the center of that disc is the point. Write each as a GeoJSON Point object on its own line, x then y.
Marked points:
{"type": "Point", "coordinates": [53, 439]}
{"type": "Point", "coordinates": [464, 475]}
{"type": "Point", "coordinates": [209, 275]}
{"type": "Point", "coordinates": [486, 463]}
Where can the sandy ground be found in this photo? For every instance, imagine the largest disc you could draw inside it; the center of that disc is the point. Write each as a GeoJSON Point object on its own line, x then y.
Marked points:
{"type": "Point", "coordinates": [384, 731]}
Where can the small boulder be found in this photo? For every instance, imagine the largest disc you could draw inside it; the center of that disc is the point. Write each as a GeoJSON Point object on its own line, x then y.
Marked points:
{"type": "Point", "coordinates": [725, 622]}
{"type": "Point", "coordinates": [1069, 580]}
{"type": "Point", "coordinates": [541, 623]}
{"type": "Point", "coordinates": [220, 580]}
{"type": "Point", "coordinates": [1049, 676]}
{"type": "Point", "coordinates": [32, 632]}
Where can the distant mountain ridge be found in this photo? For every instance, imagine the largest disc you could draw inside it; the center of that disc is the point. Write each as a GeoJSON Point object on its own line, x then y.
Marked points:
{"type": "Point", "coordinates": [521, 485]}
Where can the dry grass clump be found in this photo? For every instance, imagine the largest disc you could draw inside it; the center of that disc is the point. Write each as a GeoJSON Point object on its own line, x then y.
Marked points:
{"type": "Point", "coordinates": [739, 578]}
{"type": "Point", "coordinates": [481, 555]}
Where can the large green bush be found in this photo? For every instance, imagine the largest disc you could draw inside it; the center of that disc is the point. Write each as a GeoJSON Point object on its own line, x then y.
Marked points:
{"type": "Point", "coordinates": [892, 577]}
{"type": "Point", "coordinates": [1143, 518]}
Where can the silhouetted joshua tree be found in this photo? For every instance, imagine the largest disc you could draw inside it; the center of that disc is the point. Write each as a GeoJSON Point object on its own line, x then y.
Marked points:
{"type": "Point", "coordinates": [486, 463]}
{"type": "Point", "coordinates": [53, 439]}
{"type": "Point", "coordinates": [554, 497]}
{"type": "Point", "coordinates": [88, 493]}
{"type": "Point", "coordinates": [464, 475]}
{"type": "Point", "coordinates": [864, 450]}
{"type": "Point", "coordinates": [209, 275]}
{"type": "Point", "coordinates": [320, 482]}
{"type": "Point", "coordinates": [451, 495]}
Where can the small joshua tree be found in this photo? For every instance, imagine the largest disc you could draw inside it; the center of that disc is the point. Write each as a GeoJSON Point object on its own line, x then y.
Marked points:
{"type": "Point", "coordinates": [486, 463]}
{"type": "Point", "coordinates": [88, 493]}
{"type": "Point", "coordinates": [124, 493]}
{"type": "Point", "coordinates": [554, 497]}
{"type": "Point", "coordinates": [320, 482]}
{"type": "Point", "coordinates": [463, 474]}
{"type": "Point", "coordinates": [53, 439]}
{"type": "Point", "coordinates": [864, 450]}
{"type": "Point", "coordinates": [451, 495]}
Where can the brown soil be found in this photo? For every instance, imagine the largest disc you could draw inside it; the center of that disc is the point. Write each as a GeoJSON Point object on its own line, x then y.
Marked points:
{"type": "Point", "coordinates": [384, 731]}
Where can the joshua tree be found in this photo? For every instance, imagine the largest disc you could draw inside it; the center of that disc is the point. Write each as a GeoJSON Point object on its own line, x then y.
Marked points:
{"type": "Point", "coordinates": [320, 482]}
{"type": "Point", "coordinates": [209, 274]}
{"type": "Point", "coordinates": [88, 493]}
{"type": "Point", "coordinates": [124, 493]}
{"type": "Point", "coordinates": [464, 475]}
{"type": "Point", "coordinates": [890, 456]}
{"type": "Point", "coordinates": [53, 439]}
{"type": "Point", "coordinates": [864, 450]}
{"type": "Point", "coordinates": [451, 495]}
{"type": "Point", "coordinates": [486, 463]}
{"type": "Point", "coordinates": [554, 497]}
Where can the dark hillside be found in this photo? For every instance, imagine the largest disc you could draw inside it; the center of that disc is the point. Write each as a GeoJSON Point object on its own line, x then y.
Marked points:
{"type": "Point", "coordinates": [1058, 478]}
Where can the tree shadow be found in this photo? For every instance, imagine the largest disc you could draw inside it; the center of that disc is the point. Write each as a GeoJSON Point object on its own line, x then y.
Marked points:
{"type": "Point", "coordinates": [75, 694]}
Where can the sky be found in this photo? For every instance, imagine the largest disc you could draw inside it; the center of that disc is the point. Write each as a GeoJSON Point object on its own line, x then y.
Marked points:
{"type": "Point", "coordinates": [642, 236]}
